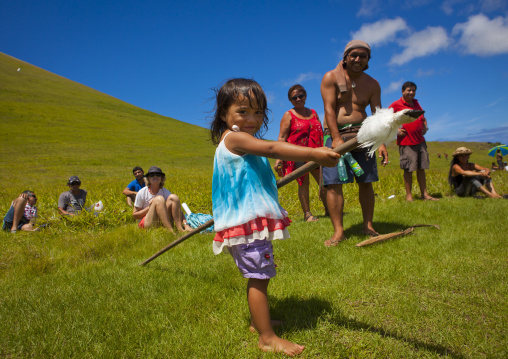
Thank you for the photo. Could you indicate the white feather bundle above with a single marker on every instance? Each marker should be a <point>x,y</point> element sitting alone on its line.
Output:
<point>381,128</point>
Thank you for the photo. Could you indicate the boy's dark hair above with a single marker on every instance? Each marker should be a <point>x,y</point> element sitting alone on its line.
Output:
<point>29,193</point>
<point>137,168</point>
<point>226,95</point>
<point>296,87</point>
<point>407,84</point>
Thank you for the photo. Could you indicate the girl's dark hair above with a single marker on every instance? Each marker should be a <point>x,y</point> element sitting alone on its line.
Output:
<point>296,87</point>
<point>226,95</point>
<point>454,161</point>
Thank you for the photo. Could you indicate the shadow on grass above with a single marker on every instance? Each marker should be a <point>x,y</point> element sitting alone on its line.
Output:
<point>356,325</point>
<point>304,314</point>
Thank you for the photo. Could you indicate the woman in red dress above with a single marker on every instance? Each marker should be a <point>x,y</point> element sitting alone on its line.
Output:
<point>301,126</point>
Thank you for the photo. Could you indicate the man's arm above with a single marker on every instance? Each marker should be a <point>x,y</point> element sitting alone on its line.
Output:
<point>128,192</point>
<point>329,95</point>
<point>62,204</point>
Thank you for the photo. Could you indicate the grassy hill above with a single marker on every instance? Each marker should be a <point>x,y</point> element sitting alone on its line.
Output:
<point>66,128</point>
<point>75,289</point>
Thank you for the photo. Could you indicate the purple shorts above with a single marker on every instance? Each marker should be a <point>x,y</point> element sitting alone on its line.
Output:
<point>254,260</point>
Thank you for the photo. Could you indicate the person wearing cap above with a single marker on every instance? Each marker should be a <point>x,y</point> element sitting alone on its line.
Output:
<point>412,146</point>
<point>72,201</point>
<point>133,188</point>
<point>347,91</point>
<point>466,178</point>
<point>155,205</point>
<point>22,213</point>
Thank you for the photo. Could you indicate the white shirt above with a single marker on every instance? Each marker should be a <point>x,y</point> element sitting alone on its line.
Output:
<point>144,196</point>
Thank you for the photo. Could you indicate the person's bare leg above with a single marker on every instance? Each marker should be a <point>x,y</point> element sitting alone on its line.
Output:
<point>130,200</point>
<point>19,209</point>
<point>175,212</point>
<point>257,297</point>
<point>488,193</point>
<point>408,184</point>
<point>335,200</point>
<point>367,201</point>
<point>422,182</point>
<point>317,174</point>
<point>29,228</point>
<point>490,187</point>
<point>158,212</point>
<point>303,196</point>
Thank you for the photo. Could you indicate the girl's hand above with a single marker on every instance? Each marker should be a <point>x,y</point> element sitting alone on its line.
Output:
<point>326,157</point>
<point>278,168</point>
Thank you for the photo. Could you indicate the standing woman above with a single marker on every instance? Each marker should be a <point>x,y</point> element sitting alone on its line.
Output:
<point>301,126</point>
<point>467,178</point>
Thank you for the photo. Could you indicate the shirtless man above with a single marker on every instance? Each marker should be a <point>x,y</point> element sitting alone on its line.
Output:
<point>346,92</point>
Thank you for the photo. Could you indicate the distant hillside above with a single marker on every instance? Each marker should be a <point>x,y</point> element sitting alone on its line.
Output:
<point>53,127</point>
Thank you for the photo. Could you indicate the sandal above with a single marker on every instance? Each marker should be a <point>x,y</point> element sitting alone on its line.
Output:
<point>333,242</point>
<point>309,217</point>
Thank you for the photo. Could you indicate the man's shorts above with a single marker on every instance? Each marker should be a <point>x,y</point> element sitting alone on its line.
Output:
<point>254,260</point>
<point>366,162</point>
<point>414,157</point>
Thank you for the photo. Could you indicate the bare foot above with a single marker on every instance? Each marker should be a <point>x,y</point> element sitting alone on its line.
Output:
<point>333,242</point>
<point>278,345</point>
<point>370,232</point>
<point>409,198</point>
<point>273,322</point>
<point>429,198</point>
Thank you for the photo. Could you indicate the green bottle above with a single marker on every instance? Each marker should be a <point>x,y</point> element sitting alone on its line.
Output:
<point>353,164</point>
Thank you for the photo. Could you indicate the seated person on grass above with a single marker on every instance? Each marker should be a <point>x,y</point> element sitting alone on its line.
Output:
<point>466,178</point>
<point>22,213</point>
<point>72,201</point>
<point>133,188</point>
<point>155,205</point>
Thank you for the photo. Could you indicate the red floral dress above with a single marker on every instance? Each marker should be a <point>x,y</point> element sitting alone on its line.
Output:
<point>303,132</point>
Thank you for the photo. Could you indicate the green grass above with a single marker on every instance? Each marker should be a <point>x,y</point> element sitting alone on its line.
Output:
<point>76,290</point>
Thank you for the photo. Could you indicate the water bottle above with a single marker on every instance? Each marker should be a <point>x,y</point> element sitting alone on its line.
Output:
<point>354,165</point>
<point>342,170</point>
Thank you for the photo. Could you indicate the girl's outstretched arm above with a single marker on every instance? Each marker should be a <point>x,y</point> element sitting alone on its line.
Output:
<point>242,143</point>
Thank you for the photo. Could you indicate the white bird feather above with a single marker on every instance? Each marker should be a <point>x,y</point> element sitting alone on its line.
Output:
<point>381,128</point>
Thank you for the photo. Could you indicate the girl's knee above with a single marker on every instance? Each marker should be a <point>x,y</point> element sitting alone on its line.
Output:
<point>173,198</point>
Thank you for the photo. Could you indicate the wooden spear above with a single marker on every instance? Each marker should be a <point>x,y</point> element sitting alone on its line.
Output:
<point>395,121</point>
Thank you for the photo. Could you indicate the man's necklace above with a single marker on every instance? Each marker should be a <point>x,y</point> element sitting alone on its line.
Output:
<point>353,85</point>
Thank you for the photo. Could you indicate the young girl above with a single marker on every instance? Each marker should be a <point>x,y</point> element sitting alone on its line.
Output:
<point>246,208</point>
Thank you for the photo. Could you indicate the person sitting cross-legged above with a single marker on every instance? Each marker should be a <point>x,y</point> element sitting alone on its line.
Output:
<point>155,205</point>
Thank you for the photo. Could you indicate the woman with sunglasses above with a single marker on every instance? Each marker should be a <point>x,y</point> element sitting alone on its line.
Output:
<point>301,126</point>
<point>155,205</point>
<point>22,213</point>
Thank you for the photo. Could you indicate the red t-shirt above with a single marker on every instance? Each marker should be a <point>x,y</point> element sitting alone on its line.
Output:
<point>413,129</point>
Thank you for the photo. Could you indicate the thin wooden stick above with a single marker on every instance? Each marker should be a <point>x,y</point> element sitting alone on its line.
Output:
<point>309,166</point>
<point>341,149</point>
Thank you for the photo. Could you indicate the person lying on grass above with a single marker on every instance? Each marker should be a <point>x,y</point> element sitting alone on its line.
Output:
<point>155,205</point>
<point>467,178</point>
<point>246,208</point>
<point>21,216</point>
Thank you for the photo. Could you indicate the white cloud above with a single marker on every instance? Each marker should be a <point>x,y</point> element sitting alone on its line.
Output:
<point>301,78</point>
<point>381,31</point>
<point>270,97</point>
<point>422,43</point>
<point>369,7</point>
<point>393,87</point>
<point>424,73</point>
<point>482,36</point>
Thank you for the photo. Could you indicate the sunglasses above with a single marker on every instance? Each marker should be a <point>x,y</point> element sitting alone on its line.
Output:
<point>74,183</point>
<point>300,96</point>
<point>34,197</point>
<point>354,56</point>
<point>155,175</point>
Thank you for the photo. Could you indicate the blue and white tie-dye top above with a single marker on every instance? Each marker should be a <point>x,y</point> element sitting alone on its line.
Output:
<point>243,188</point>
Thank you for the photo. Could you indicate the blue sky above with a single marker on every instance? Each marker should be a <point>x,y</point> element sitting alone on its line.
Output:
<point>165,56</point>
